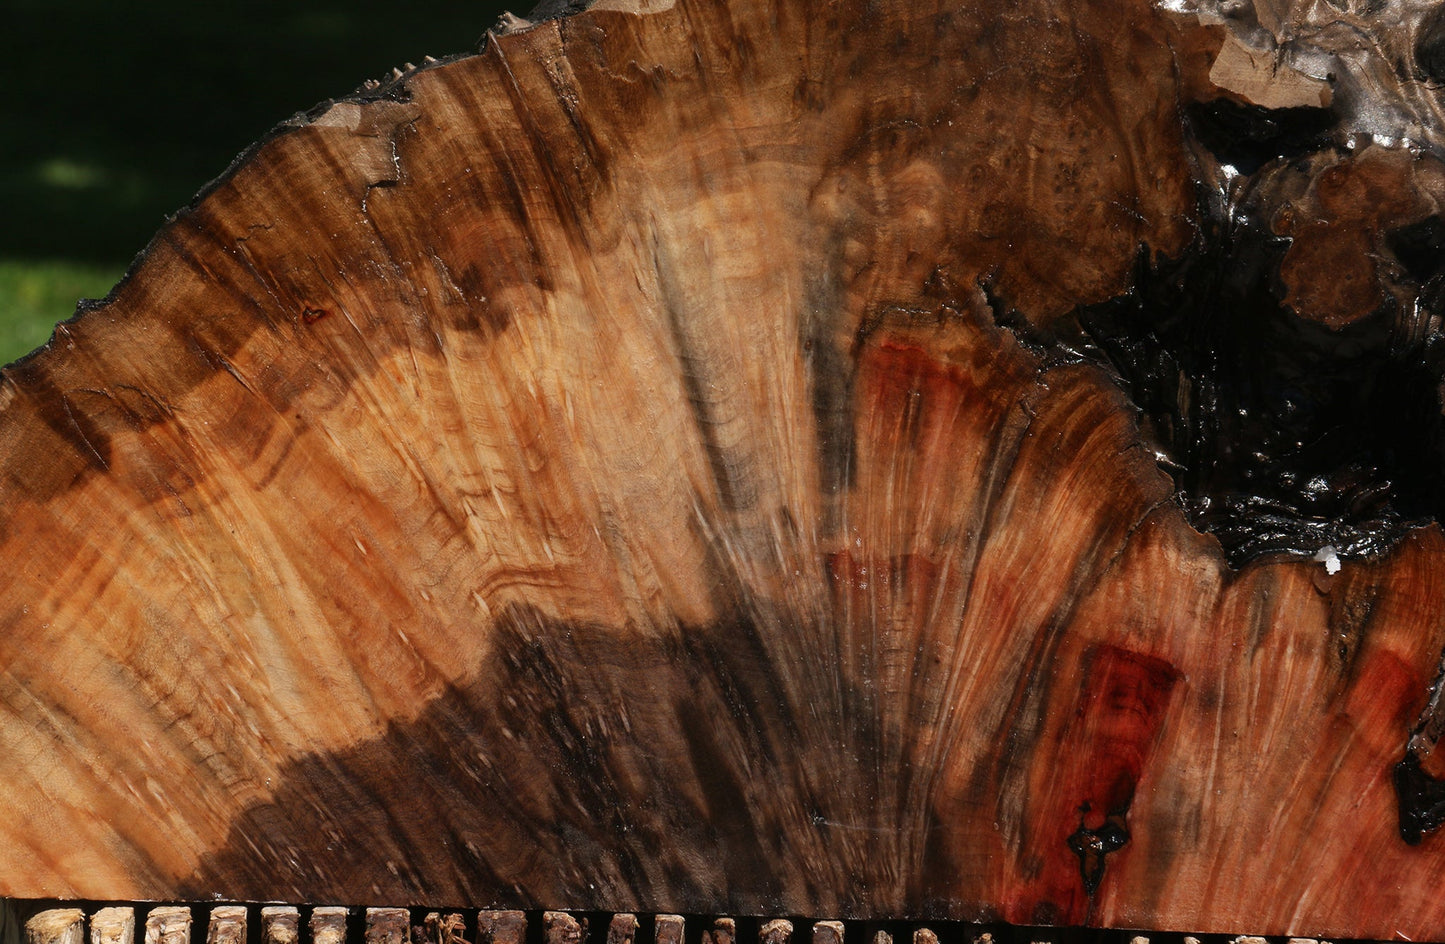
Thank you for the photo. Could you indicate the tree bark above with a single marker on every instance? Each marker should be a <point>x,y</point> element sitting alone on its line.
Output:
<point>859,460</point>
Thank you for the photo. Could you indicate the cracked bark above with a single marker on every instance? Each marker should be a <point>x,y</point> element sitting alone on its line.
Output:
<point>879,460</point>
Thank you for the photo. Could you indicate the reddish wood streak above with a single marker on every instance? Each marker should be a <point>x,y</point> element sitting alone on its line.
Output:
<point>1103,748</point>
<point>1117,721</point>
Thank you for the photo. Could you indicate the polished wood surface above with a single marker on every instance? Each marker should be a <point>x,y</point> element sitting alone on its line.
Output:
<point>670,461</point>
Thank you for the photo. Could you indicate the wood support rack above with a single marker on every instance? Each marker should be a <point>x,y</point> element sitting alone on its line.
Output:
<point>284,924</point>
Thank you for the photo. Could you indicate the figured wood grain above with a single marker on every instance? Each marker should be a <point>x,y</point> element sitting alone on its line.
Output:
<point>875,460</point>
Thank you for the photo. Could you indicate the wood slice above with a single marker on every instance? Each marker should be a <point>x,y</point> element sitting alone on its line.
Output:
<point>780,931</point>
<point>227,925</point>
<point>723,931</point>
<point>328,925</point>
<point>880,460</point>
<point>501,927</point>
<point>622,929</point>
<point>170,924</point>
<point>448,929</point>
<point>114,925</point>
<point>56,926</point>
<point>561,928</point>
<point>280,925</point>
<point>387,926</point>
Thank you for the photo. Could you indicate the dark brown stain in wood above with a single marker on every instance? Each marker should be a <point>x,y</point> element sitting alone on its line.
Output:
<point>686,771</point>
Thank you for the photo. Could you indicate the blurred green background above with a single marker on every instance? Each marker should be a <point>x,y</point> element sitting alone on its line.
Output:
<point>114,115</point>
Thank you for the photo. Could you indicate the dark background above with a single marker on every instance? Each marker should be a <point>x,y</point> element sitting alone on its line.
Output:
<point>114,114</point>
